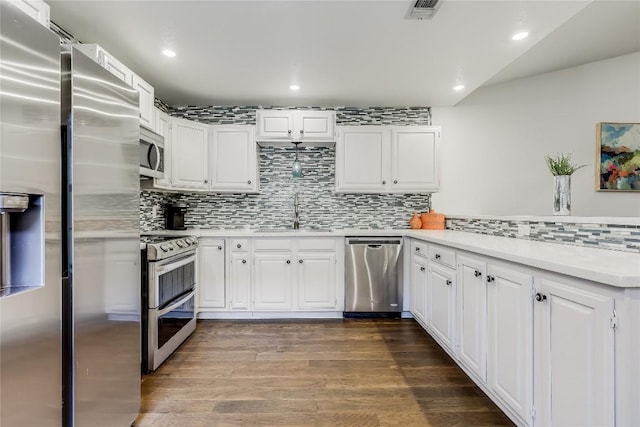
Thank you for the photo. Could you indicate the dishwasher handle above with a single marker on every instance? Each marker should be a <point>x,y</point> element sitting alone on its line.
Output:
<point>376,242</point>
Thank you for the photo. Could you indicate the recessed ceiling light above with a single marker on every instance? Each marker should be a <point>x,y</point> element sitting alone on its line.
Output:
<point>294,87</point>
<point>169,53</point>
<point>519,36</point>
<point>458,87</point>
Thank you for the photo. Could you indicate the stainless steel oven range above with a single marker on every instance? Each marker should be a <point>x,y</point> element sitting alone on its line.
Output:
<point>168,296</point>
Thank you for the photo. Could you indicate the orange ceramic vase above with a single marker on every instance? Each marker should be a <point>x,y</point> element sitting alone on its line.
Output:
<point>415,222</point>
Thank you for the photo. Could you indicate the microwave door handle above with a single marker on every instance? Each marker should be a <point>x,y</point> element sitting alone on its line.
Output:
<point>149,156</point>
<point>157,166</point>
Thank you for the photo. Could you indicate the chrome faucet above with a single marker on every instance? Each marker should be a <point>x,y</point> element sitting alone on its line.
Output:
<point>296,212</point>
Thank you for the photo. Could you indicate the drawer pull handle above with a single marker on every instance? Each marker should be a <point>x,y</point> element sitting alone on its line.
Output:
<point>300,261</point>
<point>477,273</point>
<point>238,246</point>
<point>422,269</point>
<point>490,279</point>
<point>540,297</point>
<point>437,256</point>
<point>449,282</point>
<point>288,261</point>
<point>417,249</point>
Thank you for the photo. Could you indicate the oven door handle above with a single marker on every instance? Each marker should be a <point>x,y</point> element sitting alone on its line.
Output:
<point>172,264</point>
<point>176,305</point>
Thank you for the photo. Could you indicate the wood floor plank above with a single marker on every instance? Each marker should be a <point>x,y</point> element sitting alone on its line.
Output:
<point>316,373</point>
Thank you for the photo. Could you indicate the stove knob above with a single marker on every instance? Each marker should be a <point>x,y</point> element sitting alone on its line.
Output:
<point>180,243</point>
<point>165,248</point>
<point>171,246</point>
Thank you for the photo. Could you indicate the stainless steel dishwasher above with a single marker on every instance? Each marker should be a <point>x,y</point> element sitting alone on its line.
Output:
<point>373,269</point>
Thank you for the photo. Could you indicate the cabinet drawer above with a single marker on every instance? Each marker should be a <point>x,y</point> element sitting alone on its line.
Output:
<point>317,245</point>
<point>239,245</point>
<point>442,256</point>
<point>272,245</point>
<point>419,248</point>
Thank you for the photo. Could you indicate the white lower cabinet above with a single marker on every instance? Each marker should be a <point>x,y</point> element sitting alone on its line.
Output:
<point>419,289</point>
<point>510,337</point>
<point>541,345</point>
<point>441,303</point>
<point>317,281</point>
<point>472,314</point>
<point>239,282</point>
<point>574,355</point>
<point>211,274</point>
<point>272,281</point>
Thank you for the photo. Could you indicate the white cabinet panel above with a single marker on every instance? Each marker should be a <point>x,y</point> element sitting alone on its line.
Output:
<point>233,161</point>
<point>414,159</point>
<point>189,154</point>
<point>272,281</point>
<point>37,9</point>
<point>316,281</point>
<point>115,67</point>
<point>146,99</point>
<point>510,337</point>
<point>240,281</point>
<point>441,303</point>
<point>163,128</point>
<point>362,154</point>
<point>472,308</point>
<point>314,125</point>
<point>211,274</point>
<point>274,124</point>
<point>574,354</point>
<point>419,289</point>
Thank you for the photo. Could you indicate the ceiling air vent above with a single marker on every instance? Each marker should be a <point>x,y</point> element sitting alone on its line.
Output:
<point>423,9</point>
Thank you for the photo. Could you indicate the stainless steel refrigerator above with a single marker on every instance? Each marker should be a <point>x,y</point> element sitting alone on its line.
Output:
<point>70,305</point>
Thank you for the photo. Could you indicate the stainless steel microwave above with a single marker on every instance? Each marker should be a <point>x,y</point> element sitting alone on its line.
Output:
<point>151,153</point>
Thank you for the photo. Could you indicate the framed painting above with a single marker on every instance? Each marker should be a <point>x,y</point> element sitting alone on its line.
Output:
<point>618,157</point>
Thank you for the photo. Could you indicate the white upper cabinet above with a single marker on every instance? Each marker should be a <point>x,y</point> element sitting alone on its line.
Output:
<point>37,9</point>
<point>387,159</point>
<point>147,96</point>
<point>189,149</point>
<point>115,67</point>
<point>362,154</point>
<point>286,126</point>
<point>414,159</point>
<point>234,159</point>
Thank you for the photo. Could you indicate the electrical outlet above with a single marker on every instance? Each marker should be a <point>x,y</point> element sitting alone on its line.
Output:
<point>154,212</point>
<point>524,230</point>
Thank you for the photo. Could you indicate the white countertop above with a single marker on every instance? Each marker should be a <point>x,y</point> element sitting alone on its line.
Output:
<point>615,268</point>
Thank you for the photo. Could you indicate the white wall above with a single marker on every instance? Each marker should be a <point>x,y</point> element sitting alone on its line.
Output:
<point>494,141</point>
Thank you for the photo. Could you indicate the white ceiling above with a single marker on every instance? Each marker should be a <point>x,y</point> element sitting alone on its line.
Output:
<point>350,53</point>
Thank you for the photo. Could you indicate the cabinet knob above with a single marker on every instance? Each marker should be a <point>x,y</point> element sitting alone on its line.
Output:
<point>301,131</point>
<point>477,273</point>
<point>219,248</point>
<point>395,181</point>
<point>417,249</point>
<point>422,269</point>
<point>384,182</point>
<point>300,261</point>
<point>238,246</point>
<point>206,181</point>
<point>437,256</point>
<point>244,261</point>
<point>288,261</point>
<point>289,131</point>
<point>448,282</point>
<point>540,297</point>
<point>249,182</point>
<point>490,279</point>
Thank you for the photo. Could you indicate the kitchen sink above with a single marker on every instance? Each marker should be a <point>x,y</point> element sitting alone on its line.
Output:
<point>291,230</point>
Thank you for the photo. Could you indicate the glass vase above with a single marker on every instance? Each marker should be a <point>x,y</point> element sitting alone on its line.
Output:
<point>562,195</point>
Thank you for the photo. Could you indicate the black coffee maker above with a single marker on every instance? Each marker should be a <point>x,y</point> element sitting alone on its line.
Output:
<point>174,216</point>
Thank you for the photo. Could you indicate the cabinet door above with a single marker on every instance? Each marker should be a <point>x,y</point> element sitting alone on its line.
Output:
<point>115,67</point>
<point>211,283</point>
<point>314,125</point>
<point>272,281</point>
<point>163,128</point>
<point>146,99</point>
<point>414,159</point>
<point>37,9</point>
<point>574,354</point>
<point>510,337</point>
<point>441,303</point>
<point>418,289</point>
<point>471,292</point>
<point>362,154</point>
<point>189,154</point>
<point>317,281</point>
<point>240,282</point>
<point>234,159</point>
<point>274,124</point>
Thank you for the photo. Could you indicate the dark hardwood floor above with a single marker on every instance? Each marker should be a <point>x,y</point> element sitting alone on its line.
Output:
<point>361,373</point>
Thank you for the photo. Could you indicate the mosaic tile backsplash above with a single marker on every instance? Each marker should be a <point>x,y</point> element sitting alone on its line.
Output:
<point>319,205</point>
<point>604,236</point>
